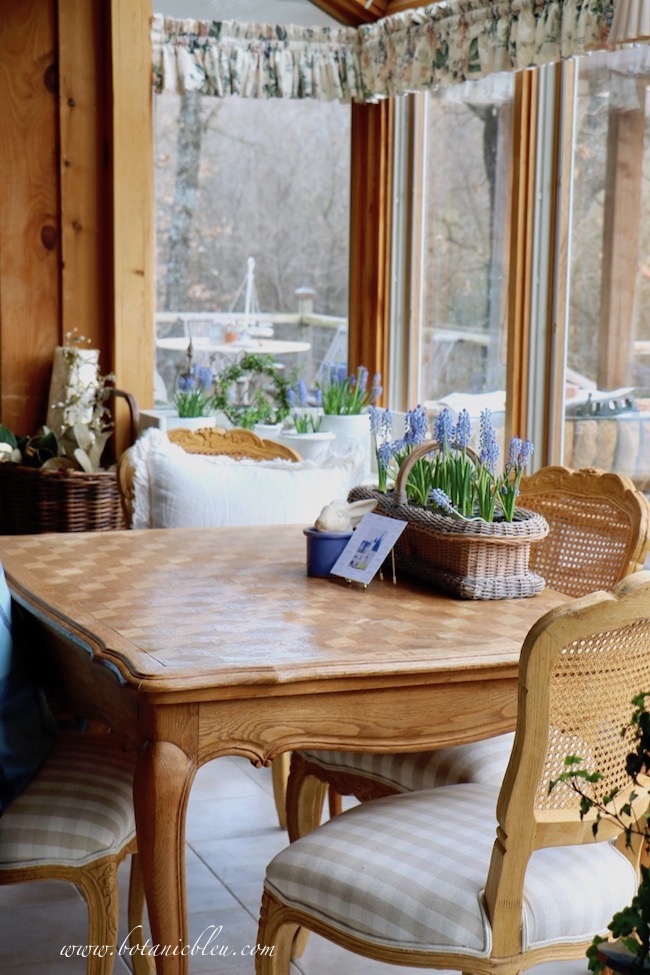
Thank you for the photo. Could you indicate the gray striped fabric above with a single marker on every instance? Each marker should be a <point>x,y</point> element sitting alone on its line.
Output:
<point>79,806</point>
<point>483,762</point>
<point>409,871</point>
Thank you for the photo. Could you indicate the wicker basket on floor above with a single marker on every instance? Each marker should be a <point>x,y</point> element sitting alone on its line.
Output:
<point>33,500</point>
<point>470,559</point>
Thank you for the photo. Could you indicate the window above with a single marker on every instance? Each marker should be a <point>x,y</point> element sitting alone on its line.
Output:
<point>607,364</point>
<point>466,208</point>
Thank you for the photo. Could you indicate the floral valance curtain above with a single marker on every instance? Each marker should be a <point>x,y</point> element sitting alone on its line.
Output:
<point>444,43</point>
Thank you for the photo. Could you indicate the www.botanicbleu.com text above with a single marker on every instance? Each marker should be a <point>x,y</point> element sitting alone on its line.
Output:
<point>207,944</point>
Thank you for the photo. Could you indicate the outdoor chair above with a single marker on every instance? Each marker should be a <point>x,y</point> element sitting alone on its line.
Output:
<point>599,532</point>
<point>477,878</point>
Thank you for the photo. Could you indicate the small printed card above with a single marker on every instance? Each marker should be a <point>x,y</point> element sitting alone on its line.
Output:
<point>365,553</point>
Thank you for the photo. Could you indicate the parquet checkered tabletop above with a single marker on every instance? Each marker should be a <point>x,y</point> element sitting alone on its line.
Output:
<point>199,643</point>
<point>237,602</point>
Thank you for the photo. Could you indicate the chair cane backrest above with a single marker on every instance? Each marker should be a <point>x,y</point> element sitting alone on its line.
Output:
<point>580,667</point>
<point>212,441</point>
<point>599,528</point>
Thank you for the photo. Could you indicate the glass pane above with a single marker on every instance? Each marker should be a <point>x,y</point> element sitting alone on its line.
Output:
<point>467,209</point>
<point>607,405</point>
<point>252,223</point>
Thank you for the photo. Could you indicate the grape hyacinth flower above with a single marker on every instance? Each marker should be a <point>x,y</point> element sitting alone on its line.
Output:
<point>444,430</point>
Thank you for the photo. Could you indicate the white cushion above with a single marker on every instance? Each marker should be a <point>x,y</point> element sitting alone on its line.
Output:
<point>76,809</point>
<point>174,489</point>
<point>409,871</point>
<point>483,762</point>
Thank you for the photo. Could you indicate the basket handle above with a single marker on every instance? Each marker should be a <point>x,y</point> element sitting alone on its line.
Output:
<point>405,469</point>
<point>134,412</point>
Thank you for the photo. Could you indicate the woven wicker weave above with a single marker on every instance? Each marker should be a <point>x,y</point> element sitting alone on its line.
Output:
<point>33,500</point>
<point>470,559</point>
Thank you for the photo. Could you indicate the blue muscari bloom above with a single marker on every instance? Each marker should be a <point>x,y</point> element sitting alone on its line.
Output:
<point>514,451</point>
<point>417,427</point>
<point>444,429</point>
<point>363,378</point>
<point>440,499</point>
<point>352,381</point>
<point>488,447</point>
<point>301,389</point>
<point>525,452</point>
<point>203,377</point>
<point>376,389</point>
<point>318,396</point>
<point>386,424</point>
<point>463,430</point>
<point>185,382</point>
<point>340,373</point>
<point>384,455</point>
<point>375,420</point>
<point>291,397</point>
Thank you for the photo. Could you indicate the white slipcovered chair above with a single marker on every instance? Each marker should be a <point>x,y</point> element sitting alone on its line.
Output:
<point>477,878</point>
<point>599,532</point>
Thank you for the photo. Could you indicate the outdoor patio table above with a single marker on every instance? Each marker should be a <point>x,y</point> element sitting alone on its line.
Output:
<point>199,643</point>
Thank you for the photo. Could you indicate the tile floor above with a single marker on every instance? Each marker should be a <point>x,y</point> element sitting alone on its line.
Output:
<point>232,832</point>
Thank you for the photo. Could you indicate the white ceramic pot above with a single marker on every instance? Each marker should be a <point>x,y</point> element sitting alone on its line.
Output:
<point>268,431</point>
<point>170,420</point>
<point>348,430</point>
<point>310,446</point>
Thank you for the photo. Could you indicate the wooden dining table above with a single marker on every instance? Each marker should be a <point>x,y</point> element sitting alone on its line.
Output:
<point>197,643</point>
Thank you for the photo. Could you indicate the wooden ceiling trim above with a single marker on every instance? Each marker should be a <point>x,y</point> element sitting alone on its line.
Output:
<point>354,12</point>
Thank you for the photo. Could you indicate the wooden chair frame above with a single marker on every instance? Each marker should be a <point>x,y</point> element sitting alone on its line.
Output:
<point>526,822</point>
<point>624,510</point>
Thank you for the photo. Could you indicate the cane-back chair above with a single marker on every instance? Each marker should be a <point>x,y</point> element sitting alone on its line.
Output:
<point>599,532</point>
<point>482,879</point>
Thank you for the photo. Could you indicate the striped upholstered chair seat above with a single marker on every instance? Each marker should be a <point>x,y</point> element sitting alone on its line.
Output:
<point>75,822</point>
<point>599,532</point>
<point>477,878</point>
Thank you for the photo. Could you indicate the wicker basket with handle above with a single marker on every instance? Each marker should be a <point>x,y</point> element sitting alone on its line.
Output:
<point>471,559</point>
<point>33,500</point>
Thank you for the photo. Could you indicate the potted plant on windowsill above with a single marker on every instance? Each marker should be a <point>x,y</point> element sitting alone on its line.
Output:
<point>192,400</point>
<point>346,398</point>
<point>305,434</point>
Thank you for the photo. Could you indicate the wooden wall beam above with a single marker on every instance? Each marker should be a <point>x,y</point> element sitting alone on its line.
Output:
<point>370,224</point>
<point>133,208</point>
<point>30,298</point>
<point>84,175</point>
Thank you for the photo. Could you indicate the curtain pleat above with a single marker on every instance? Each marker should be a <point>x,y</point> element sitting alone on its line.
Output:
<point>445,43</point>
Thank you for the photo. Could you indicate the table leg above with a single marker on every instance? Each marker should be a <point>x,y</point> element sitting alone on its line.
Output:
<point>163,779</point>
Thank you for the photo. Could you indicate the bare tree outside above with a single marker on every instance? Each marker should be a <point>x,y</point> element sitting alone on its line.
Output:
<point>238,178</point>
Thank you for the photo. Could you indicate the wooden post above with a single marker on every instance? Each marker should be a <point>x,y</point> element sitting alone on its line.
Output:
<point>370,192</point>
<point>621,240</point>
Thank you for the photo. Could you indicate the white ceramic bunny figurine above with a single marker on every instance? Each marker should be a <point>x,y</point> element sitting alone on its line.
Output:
<point>343,516</point>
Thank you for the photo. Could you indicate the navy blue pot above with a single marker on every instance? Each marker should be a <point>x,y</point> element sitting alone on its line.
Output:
<point>323,549</point>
